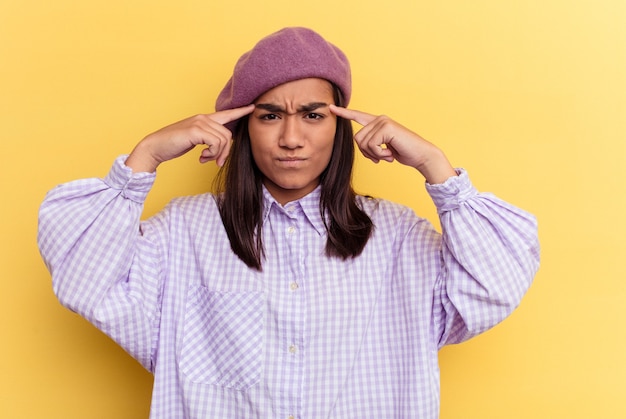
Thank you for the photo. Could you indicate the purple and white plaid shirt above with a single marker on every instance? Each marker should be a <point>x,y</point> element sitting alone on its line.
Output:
<point>310,336</point>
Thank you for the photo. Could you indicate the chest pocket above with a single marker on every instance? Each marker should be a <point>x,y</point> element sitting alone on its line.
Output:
<point>223,338</point>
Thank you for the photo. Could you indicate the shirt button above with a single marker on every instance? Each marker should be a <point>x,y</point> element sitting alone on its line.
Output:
<point>293,286</point>
<point>291,229</point>
<point>291,417</point>
<point>293,349</point>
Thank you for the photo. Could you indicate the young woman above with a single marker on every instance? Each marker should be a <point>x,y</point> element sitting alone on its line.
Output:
<point>286,294</point>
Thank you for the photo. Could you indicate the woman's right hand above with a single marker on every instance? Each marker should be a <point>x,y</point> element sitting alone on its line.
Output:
<point>179,138</point>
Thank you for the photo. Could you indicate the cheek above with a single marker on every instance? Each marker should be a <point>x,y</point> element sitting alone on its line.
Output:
<point>328,140</point>
<point>259,143</point>
<point>260,155</point>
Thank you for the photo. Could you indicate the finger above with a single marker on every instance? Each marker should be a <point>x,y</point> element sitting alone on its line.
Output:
<point>229,115</point>
<point>208,155</point>
<point>359,117</point>
<point>221,158</point>
<point>378,153</point>
<point>216,138</point>
<point>366,150</point>
<point>362,139</point>
<point>372,141</point>
<point>210,152</point>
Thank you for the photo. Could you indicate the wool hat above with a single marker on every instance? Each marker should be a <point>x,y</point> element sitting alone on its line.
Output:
<point>290,54</point>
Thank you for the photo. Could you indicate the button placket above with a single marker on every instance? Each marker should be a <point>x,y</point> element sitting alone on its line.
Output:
<point>293,231</point>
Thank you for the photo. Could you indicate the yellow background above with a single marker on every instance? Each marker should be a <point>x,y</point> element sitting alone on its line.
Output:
<point>528,95</point>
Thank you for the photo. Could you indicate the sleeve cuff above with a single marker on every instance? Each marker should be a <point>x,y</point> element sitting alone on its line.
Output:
<point>134,186</point>
<point>453,192</point>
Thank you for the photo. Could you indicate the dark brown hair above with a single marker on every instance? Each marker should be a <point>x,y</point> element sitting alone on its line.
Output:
<point>240,197</point>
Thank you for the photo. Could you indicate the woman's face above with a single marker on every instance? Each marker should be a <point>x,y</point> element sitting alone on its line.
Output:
<point>291,136</point>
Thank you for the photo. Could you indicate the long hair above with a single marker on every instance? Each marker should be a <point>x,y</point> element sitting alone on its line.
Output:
<point>240,197</point>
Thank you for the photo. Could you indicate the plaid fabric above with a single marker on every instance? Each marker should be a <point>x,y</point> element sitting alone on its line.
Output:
<point>309,336</point>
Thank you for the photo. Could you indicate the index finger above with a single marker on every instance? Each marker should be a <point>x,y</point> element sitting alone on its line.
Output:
<point>359,117</point>
<point>229,115</point>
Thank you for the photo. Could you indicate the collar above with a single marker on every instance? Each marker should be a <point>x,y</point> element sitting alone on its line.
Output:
<point>308,204</point>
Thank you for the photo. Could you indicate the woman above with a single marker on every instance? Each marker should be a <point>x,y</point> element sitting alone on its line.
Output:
<point>286,294</point>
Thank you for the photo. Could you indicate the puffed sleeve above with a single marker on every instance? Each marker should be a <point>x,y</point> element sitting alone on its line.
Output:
<point>102,266</point>
<point>489,257</point>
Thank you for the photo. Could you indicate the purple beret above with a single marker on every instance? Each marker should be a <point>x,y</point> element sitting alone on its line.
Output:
<point>287,55</point>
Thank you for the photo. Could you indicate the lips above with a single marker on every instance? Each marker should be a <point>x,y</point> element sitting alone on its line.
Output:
<point>291,161</point>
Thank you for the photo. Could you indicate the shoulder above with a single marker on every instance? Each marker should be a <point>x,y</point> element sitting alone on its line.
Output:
<point>388,215</point>
<point>193,208</point>
<point>378,207</point>
<point>192,201</point>
<point>397,226</point>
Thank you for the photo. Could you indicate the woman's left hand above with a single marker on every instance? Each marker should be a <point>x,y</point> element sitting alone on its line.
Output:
<point>381,138</point>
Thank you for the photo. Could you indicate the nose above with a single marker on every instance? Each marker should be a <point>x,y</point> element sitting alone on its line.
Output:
<point>291,135</point>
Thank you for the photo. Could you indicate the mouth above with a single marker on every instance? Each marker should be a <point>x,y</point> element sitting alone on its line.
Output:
<point>291,161</point>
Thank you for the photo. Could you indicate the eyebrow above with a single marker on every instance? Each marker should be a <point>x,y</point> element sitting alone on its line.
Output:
<point>271,107</point>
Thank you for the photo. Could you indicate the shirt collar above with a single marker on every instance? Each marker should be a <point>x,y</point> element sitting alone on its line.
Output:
<point>308,204</point>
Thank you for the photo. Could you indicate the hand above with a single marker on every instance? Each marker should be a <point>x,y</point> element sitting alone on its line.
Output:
<point>179,138</point>
<point>381,138</point>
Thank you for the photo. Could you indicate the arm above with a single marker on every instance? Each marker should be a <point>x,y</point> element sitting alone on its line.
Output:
<point>103,264</point>
<point>88,237</point>
<point>490,249</point>
<point>490,254</point>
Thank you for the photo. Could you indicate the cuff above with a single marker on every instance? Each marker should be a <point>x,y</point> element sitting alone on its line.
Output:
<point>134,186</point>
<point>454,191</point>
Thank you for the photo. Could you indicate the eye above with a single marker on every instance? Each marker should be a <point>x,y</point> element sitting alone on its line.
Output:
<point>313,115</point>
<point>268,116</point>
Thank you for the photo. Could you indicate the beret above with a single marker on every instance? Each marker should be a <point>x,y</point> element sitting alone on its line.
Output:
<point>290,54</point>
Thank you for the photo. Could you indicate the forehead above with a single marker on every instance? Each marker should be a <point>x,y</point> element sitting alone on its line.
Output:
<point>298,92</point>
